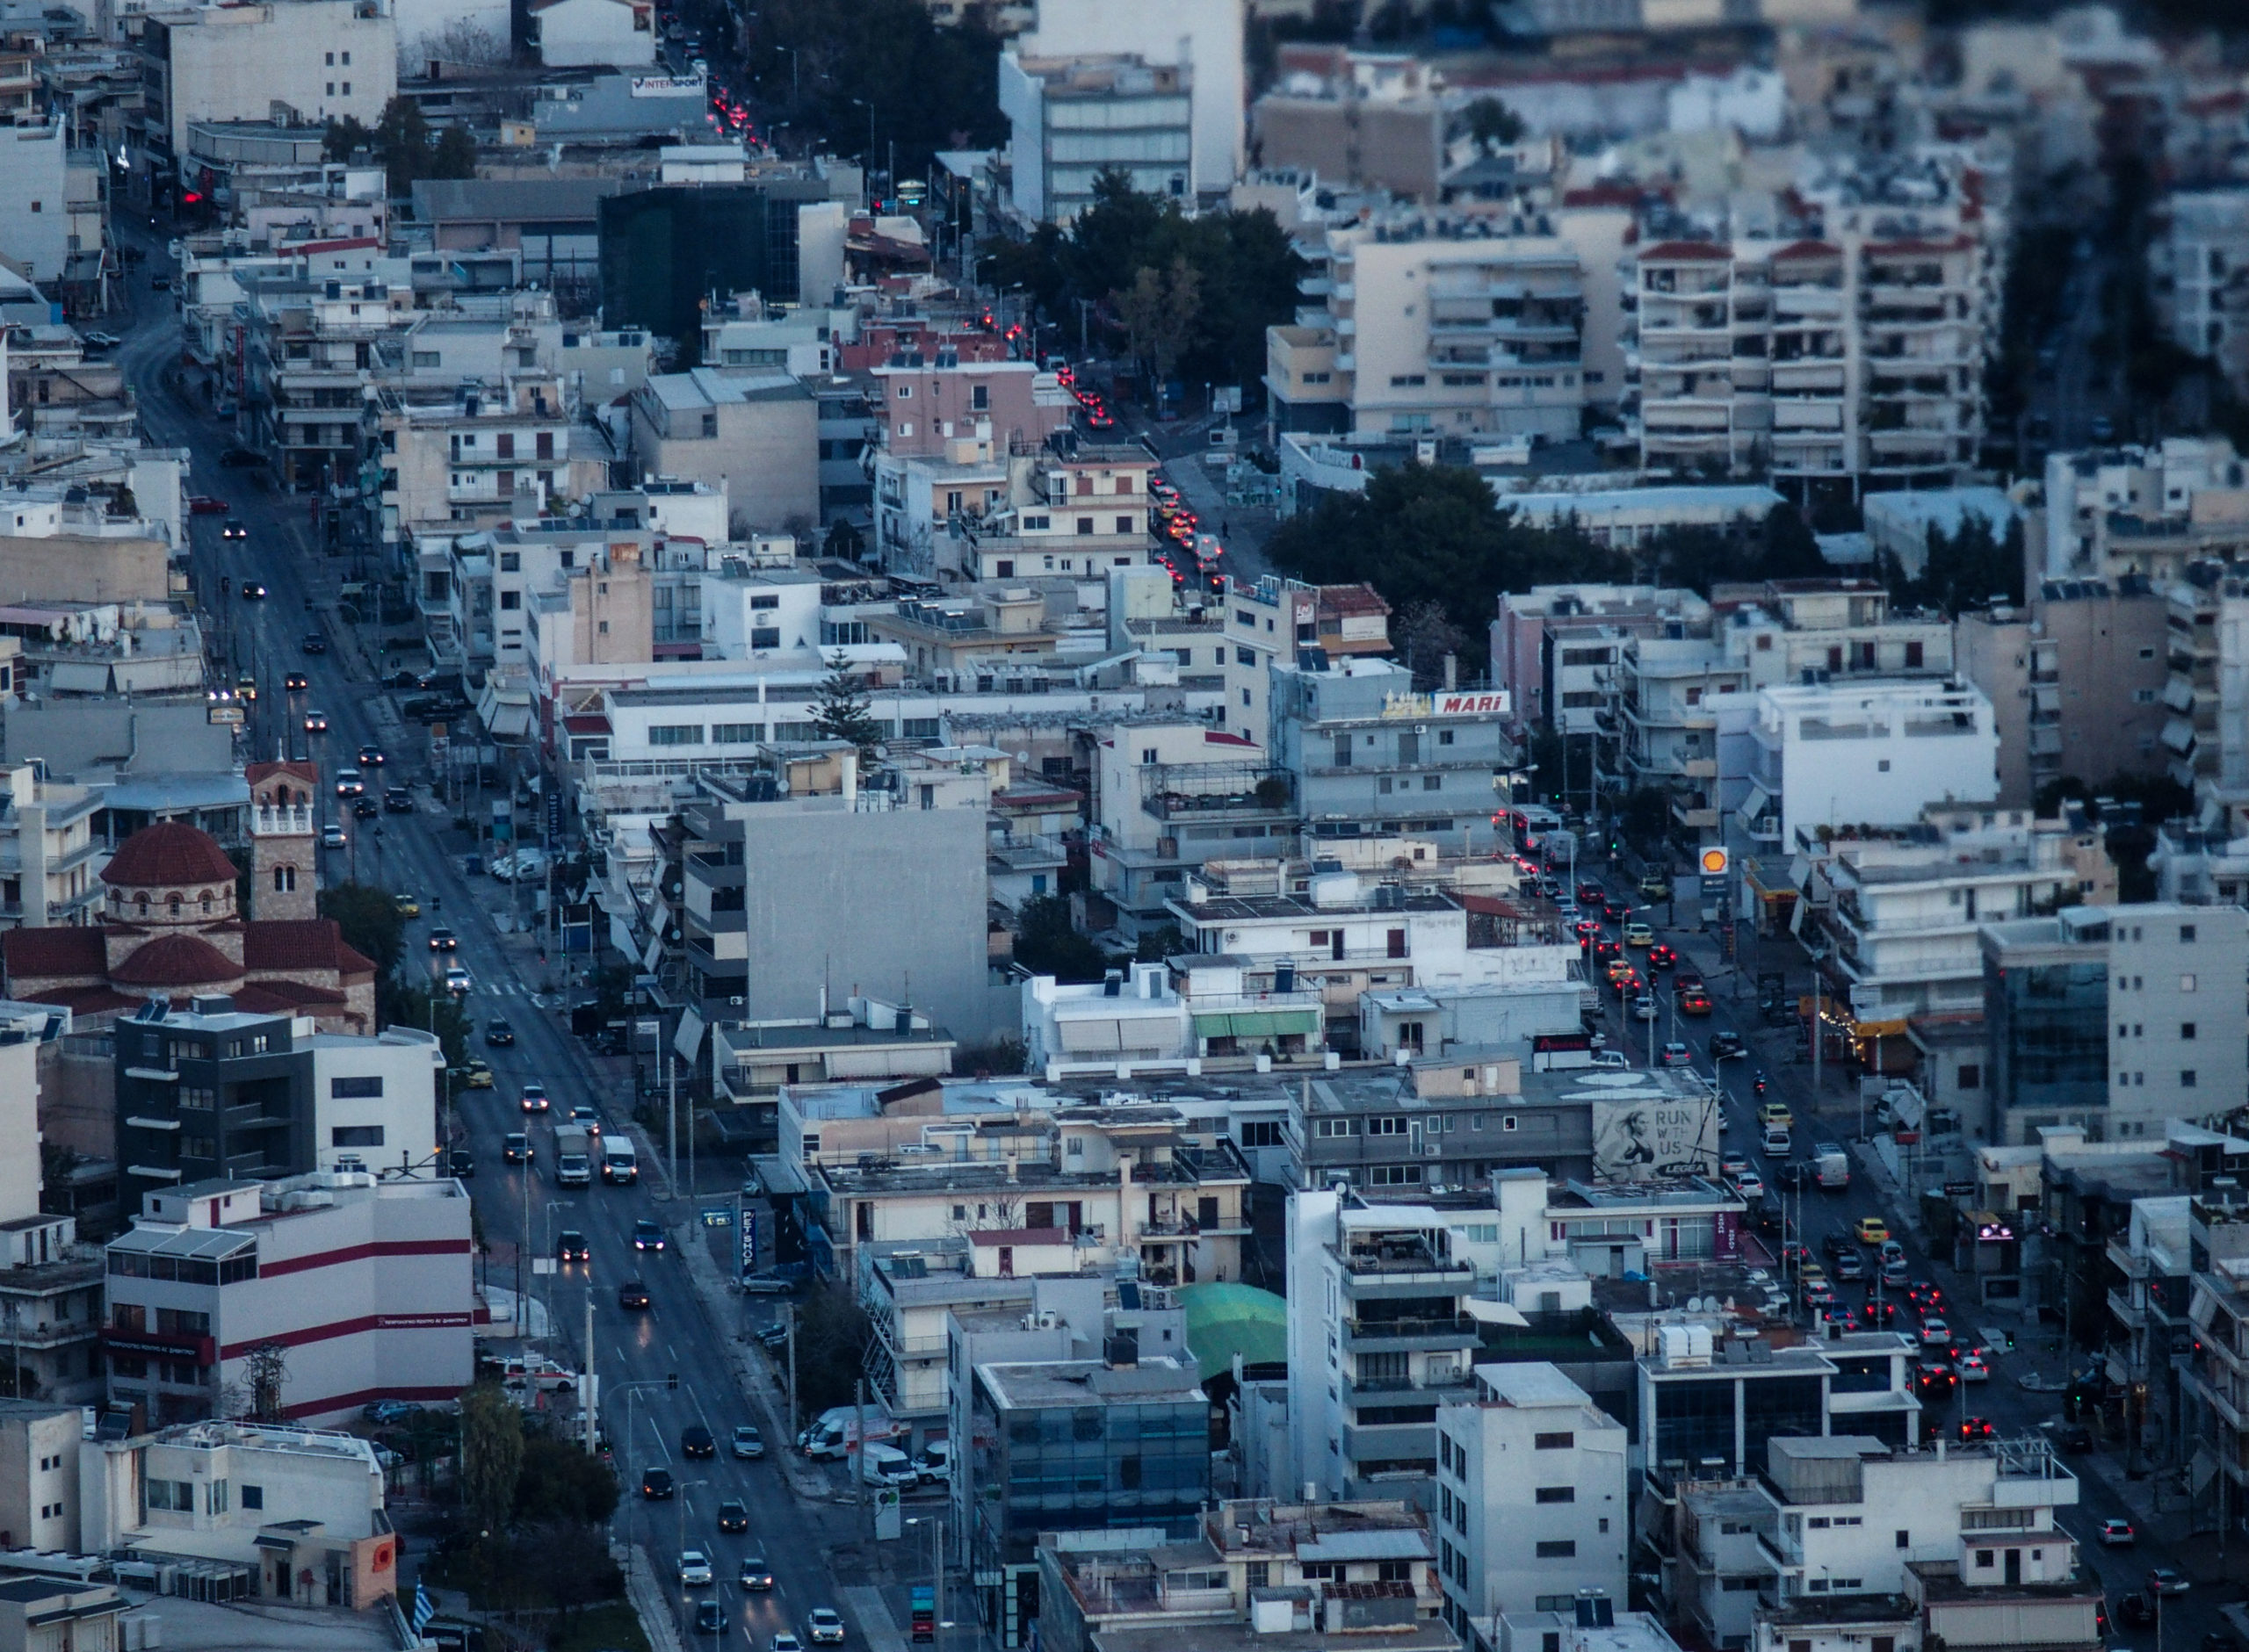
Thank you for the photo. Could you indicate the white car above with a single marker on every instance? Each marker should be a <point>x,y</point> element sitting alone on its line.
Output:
<point>1749,1185</point>
<point>1972,1368</point>
<point>2118,1534</point>
<point>331,836</point>
<point>825,1626</point>
<point>694,1568</point>
<point>1734,1165</point>
<point>1934,1333</point>
<point>349,783</point>
<point>457,981</point>
<point>784,1642</point>
<point>1677,1055</point>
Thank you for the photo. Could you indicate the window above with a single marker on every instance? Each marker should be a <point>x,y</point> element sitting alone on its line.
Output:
<point>511,600</point>
<point>1261,1133</point>
<point>355,1089</point>
<point>1566,1549</point>
<point>1971,1076</point>
<point>1085,525</point>
<point>356,1135</point>
<point>176,1495</point>
<point>1904,1539</point>
<point>737,733</point>
<point>676,734</point>
<point>2185,934</point>
<point>1123,525</point>
<point>1553,1442</point>
<point>2186,1078</point>
<point>511,562</point>
<point>1985,1559</point>
<point>253,1496</point>
<point>1558,1494</point>
<point>2186,1030</point>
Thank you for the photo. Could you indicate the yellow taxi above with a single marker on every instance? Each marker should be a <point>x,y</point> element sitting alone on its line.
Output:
<point>1776,1116</point>
<point>407,905</point>
<point>1638,935</point>
<point>1873,1230</point>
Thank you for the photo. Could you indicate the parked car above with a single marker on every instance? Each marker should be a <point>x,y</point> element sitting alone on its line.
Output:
<point>747,1442</point>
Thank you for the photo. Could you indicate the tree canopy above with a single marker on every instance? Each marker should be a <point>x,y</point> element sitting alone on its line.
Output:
<point>1188,295</point>
<point>402,141</point>
<point>843,711</point>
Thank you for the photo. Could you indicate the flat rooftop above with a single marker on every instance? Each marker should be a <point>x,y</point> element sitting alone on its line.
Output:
<point>1047,1383</point>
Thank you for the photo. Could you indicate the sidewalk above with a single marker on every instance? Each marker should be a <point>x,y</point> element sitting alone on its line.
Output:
<point>650,1603</point>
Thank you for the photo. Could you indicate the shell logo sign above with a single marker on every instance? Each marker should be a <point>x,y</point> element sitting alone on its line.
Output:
<point>1714,862</point>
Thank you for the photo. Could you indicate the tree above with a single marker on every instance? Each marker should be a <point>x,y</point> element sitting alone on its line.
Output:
<point>1966,569</point>
<point>265,1372</point>
<point>844,710</point>
<point>1493,125</point>
<point>491,1455</point>
<point>455,156</point>
<point>1158,315</point>
<point>832,1331</point>
<point>1048,944</point>
<point>1424,635</point>
<point>569,1562</point>
<point>402,140</point>
<point>346,139</point>
<point>369,918</point>
<point>431,1008</point>
<point>1780,547</point>
<point>559,1481</point>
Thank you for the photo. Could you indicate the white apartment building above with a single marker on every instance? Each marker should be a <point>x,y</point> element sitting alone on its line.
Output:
<point>2206,737</point>
<point>368,1284</point>
<point>38,223</point>
<point>1875,753</point>
<point>594,33</point>
<point>1071,119</point>
<point>1855,1514</point>
<point>1443,326</point>
<point>1532,1502</point>
<point>475,454</point>
<point>2115,511</point>
<point>1904,908</point>
<point>1203,39</point>
<point>38,1475</point>
<point>1112,1026</point>
<point>376,1101</point>
<point>2197,256</point>
<point>301,1510</point>
<point>1852,356</point>
<point>326,60</point>
<point>48,857</point>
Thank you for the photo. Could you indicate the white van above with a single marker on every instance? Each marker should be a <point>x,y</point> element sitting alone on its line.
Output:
<point>887,1466</point>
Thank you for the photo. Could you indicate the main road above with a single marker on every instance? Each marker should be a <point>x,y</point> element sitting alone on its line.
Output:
<point>663,1368</point>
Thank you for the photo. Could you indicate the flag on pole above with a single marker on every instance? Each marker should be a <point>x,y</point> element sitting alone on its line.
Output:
<point>424,1610</point>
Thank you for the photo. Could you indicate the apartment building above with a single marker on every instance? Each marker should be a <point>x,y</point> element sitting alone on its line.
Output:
<point>367,1283</point>
<point>753,437</point>
<point>1873,753</point>
<point>474,455</point>
<point>1374,757</point>
<point>1556,648</point>
<point>2205,738</point>
<point>1326,1575</point>
<point>2214,1381</point>
<point>1836,360</point>
<point>1660,707</point>
<point>2197,253</point>
<point>1533,1504</point>
<point>2113,1018</point>
<point>1202,38</point>
<point>1170,793</point>
<point>48,851</point>
<point>311,351</point>
<point>829,849</point>
<point>921,403</point>
<point>328,60</point>
<point>1436,325</point>
<point>1071,119</point>
<point>2151,511</point>
<point>1070,510</point>
<point>1905,909</point>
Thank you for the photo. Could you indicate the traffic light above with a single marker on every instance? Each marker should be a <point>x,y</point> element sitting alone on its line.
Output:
<point>671,1379</point>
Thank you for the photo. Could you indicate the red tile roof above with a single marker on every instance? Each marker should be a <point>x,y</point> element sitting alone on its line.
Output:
<point>301,943</point>
<point>278,998</point>
<point>88,1000</point>
<point>35,954</point>
<point>177,961</point>
<point>1673,251</point>
<point>310,773</point>
<point>167,854</point>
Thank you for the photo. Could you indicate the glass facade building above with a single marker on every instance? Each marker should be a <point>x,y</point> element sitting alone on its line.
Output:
<point>2049,1025</point>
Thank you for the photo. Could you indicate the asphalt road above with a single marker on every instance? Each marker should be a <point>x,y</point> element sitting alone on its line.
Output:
<point>1814,1215</point>
<point>636,1354</point>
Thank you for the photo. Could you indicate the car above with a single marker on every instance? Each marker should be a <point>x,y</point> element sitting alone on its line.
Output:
<point>365,808</point>
<point>2078,1438</point>
<point>1974,1367</point>
<point>350,782</point>
<point>1849,1266</point>
<point>1893,1273</point>
<point>385,1412</point>
<point>757,1576</point>
<point>570,1245</point>
<point>784,1641</point>
<point>710,1617</point>
<point>632,1293</point>
<point>1775,1115</point>
<point>1975,1428</point>
<point>647,1235</point>
<point>1876,1314</point>
<point>314,643</point>
<point>734,1515</point>
<point>695,1441</point>
<point>1695,1003</point>
<point>1796,1174</point>
<point>1836,1314</point>
<point>534,1099</point>
<point>233,529</point>
<point>2137,1607</point>
<point>296,682</point>
<point>1676,1055</point>
<point>1934,1376</point>
<point>516,1148</point>
<point>825,1626</point>
<point>747,1442</point>
<point>586,1119</point>
<point>1728,1047</point>
<point>1638,935</point>
<point>1749,1185</point>
<point>457,981</point>
<point>317,723</point>
<point>497,1033</point>
<point>1935,1333</point>
<point>462,1163</point>
<point>776,1281</point>
<point>371,756</point>
<point>443,939</point>
<point>1818,1293</point>
<point>2167,1580</point>
<point>1924,1294</point>
<point>773,1338</point>
<point>253,591</point>
<point>331,835</point>
<point>1653,885</point>
<point>2118,1534</point>
<point>1732,1166</point>
<point>397,800</point>
<point>1590,893</point>
<point>98,340</point>
<point>1644,1006</point>
<point>475,1073</point>
<point>1805,1267</point>
<point>1614,910</point>
<point>205,505</point>
<point>409,905</point>
<point>1619,969</point>
<point>1873,1230</point>
<point>1663,955</point>
<point>237,458</point>
<point>657,1483</point>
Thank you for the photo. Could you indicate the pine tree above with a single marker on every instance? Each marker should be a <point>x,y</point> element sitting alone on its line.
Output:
<point>843,711</point>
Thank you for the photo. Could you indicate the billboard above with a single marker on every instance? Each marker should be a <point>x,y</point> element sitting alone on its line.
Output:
<point>1645,1134</point>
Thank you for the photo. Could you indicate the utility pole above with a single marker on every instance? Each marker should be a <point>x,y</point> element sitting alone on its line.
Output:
<point>789,1312</point>
<point>859,1441</point>
<point>671,1082</point>
<point>588,1398</point>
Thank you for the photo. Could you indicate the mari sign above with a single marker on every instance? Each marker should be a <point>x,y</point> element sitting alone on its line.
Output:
<point>1654,1138</point>
<point>1484,703</point>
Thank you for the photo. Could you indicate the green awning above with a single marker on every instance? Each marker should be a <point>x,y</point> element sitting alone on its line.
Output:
<point>1223,1319</point>
<point>1269,1023</point>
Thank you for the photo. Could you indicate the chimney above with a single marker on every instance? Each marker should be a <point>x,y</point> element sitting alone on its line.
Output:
<point>1012,1167</point>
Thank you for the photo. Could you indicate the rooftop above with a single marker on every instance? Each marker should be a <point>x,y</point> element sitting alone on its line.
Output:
<point>1047,1383</point>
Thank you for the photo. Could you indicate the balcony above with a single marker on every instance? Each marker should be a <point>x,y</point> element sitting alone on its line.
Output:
<point>1437,1383</point>
<point>2121,1310</point>
<point>1371,1269</point>
<point>1432,1333</point>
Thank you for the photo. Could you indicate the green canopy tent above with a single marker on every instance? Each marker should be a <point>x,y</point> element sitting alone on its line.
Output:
<point>1226,1319</point>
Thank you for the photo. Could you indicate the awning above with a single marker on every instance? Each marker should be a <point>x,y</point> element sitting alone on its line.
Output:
<point>281,1545</point>
<point>2178,734</point>
<point>1265,1023</point>
<point>1225,1319</point>
<point>79,676</point>
<point>1091,1034</point>
<point>158,673</point>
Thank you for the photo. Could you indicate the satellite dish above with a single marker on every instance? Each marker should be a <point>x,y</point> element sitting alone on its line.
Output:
<point>1022,757</point>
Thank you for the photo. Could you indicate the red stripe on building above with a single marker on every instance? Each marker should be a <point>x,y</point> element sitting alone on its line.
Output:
<point>334,1329</point>
<point>361,1252</point>
<point>367,1396</point>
